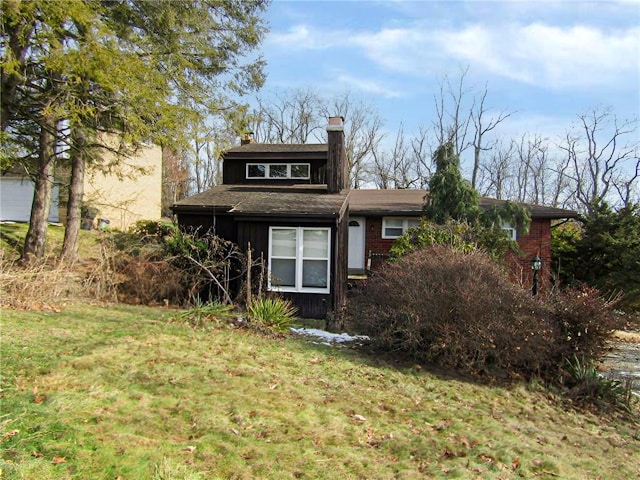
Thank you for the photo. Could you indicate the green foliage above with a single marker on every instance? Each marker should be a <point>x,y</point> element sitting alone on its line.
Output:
<point>458,235</point>
<point>450,196</point>
<point>587,385</point>
<point>452,199</point>
<point>272,314</point>
<point>202,314</point>
<point>607,254</point>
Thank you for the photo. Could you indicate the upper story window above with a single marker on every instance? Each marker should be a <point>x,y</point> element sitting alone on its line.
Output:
<point>394,227</point>
<point>278,171</point>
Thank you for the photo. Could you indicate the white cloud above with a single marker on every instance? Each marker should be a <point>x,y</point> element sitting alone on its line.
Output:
<point>303,37</point>
<point>544,55</point>
<point>539,54</point>
<point>366,85</point>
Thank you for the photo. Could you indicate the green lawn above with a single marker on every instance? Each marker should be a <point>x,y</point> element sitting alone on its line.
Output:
<point>118,392</point>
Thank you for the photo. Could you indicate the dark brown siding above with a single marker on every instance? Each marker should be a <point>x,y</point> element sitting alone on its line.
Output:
<point>246,230</point>
<point>234,172</point>
<point>340,264</point>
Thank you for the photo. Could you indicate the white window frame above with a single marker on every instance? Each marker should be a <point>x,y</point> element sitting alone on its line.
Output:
<point>405,225</point>
<point>299,258</point>
<point>267,171</point>
<point>512,233</point>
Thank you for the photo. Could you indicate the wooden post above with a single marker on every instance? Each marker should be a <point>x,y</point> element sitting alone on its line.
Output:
<point>249,264</point>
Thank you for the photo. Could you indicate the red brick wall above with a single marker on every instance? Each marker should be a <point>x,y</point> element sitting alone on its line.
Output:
<point>373,241</point>
<point>537,241</point>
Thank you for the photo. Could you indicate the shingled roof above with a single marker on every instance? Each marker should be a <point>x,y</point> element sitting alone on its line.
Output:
<point>279,148</point>
<point>313,200</point>
<point>262,200</point>
<point>409,203</point>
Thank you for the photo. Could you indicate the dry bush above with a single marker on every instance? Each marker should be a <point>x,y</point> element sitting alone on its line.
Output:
<point>147,281</point>
<point>41,283</point>
<point>586,320</point>
<point>457,310</point>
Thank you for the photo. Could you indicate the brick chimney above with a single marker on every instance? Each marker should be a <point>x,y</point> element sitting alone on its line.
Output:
<point>337,175</point>
<point>246,138</point>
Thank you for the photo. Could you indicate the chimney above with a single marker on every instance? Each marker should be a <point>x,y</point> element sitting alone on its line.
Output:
<point>337,176</point>
<point>246,138</point>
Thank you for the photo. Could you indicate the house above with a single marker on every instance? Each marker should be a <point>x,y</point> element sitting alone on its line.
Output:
<point>292,205</point>
<point>123,196</point>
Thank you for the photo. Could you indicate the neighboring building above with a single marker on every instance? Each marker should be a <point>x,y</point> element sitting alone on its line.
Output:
<point>292,205</point>
<point>123,195</point>
<point>129,193</point>
<point>16,197</point>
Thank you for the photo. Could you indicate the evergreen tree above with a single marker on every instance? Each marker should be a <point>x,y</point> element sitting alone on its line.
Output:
<point>450,197</point>
<point>607,253</point>
<point>138,69</point>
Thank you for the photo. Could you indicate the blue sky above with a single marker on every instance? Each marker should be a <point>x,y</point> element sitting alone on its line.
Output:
<point>544,61</point>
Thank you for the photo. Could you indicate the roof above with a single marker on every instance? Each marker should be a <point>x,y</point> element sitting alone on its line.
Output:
<point>313,200</point>
<point>410,202</point>
<point>267,200</point>
<point>268,152</point>
<point>286,148</point>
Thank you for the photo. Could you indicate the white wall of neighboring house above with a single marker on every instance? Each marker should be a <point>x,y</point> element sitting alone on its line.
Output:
<point>16,197</point>
<point>131,192</point>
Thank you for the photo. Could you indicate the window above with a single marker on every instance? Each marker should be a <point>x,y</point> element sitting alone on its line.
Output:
<point>394,227</point>
<point>511,232</point>
<point>278,170</point>
<point>299,259</point>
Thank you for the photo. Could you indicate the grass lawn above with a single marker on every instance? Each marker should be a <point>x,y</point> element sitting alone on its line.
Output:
<point>122,392</point>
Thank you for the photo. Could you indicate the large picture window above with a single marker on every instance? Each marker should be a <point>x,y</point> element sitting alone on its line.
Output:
<point>394,227</point>
<point>277,171</point>
<point>299,259</point>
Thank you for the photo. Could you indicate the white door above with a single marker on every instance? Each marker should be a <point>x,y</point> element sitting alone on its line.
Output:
<point>356,244</point>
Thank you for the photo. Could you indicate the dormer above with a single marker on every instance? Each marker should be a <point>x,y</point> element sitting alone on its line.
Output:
<point>289,164</point>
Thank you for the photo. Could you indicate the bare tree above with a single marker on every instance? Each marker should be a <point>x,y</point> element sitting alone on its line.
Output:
<point>462,118</point>
<point>604,159</point>
<point>482,126</point>
<point>453,117</point>
<point>288,117</point>
<point>496,175</point>
<point>363,127</point>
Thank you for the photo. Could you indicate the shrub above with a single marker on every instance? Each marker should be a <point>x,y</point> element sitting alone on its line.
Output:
<point>457,310</point>
<point>459,235</point>
<point>271,313</point>
<point>587,386</point>
<point>202,314</point>
<point>586,322</point>
<point>156,261</point>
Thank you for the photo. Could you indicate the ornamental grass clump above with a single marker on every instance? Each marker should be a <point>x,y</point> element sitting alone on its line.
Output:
<point>271,314</point>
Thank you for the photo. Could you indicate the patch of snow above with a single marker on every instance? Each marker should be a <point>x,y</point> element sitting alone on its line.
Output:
<point>328,338</point>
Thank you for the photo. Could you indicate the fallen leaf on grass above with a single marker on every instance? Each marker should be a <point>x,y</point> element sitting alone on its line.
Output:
<point>58,460</point>
<point>12,433</point>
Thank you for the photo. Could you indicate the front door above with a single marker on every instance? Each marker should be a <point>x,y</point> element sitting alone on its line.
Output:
<point>356,245</point>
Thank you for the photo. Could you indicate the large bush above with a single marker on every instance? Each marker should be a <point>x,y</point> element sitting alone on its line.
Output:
<point>456,309</point>
<point>157,262</point>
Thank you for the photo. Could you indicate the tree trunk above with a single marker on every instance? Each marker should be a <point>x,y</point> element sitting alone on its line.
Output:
<point>69,252</point>
<point>35,241</point>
